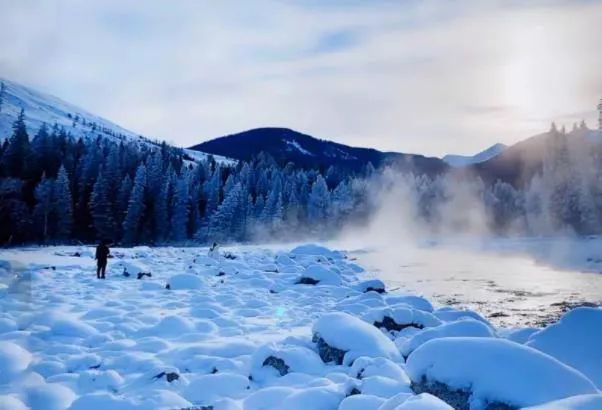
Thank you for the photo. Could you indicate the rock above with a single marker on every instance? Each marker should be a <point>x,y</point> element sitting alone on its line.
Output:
<point>328,353</point>
<point>307,281</point>
<point>390,324</point>
<point>277,364</point>
<point>170,376</point>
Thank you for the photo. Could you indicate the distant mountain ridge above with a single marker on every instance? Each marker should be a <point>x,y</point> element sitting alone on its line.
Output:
<point>466,160</point>
<point>286,145</point>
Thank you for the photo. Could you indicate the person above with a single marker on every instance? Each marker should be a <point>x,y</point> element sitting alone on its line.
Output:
<point>214,251</point>
<point>102,254</point>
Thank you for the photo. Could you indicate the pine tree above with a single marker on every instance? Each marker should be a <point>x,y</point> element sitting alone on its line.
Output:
<point>101,208</point>
<point>136,207</point>
<point>62,205</point>
<point>179,218</point>
<point>319,201</point>
<point>18,150</point>
<point>41,214</point>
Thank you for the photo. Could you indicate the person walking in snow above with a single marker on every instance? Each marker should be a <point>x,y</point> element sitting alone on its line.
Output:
<point>102,254</point>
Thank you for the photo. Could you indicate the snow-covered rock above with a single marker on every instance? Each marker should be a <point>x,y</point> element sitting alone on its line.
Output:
<point>424,401</point>
<point>361,402</point>
<point>51,396</point>
<point>316,250</point>
<point>283,359</point>
<point>342,338</point>
<point>583,402</point>
<point>184,281</point>
<point>210,387</point>
<point>371,285</point>
<point>417,302</point>
<point>483,371</point>
<point>576,339</point>
<point>13,360</point>
<point>400,317</point>
<point>318,274</point>
<point>461,328</point>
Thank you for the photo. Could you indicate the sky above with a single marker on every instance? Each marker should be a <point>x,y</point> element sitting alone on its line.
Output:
<point>420,76</point>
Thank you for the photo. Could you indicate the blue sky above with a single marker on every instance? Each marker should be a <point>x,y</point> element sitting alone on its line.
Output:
<point>429,76</point>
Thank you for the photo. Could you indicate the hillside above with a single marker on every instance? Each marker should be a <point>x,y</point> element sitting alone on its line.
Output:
<point>40,108</point>
<point>519,162</point>
<point>286,145</point>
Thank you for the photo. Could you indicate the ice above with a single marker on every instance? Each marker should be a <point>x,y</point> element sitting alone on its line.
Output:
<point>495,370</point>
<point>575,340</point>
<point>354,337</point>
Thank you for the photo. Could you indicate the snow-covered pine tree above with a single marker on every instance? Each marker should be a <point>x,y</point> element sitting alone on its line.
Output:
<point>180,210</point>
<point>62,206</point>
<point>319,201</point>
<point>136,207</point>
<point>18,150</point>
<point>101,208</point>
<point>42,210</point>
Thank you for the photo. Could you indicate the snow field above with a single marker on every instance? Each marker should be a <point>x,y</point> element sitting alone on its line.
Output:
<point>244,334</point>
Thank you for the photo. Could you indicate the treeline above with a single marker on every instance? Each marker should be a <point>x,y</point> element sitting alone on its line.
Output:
<point>55,189</point>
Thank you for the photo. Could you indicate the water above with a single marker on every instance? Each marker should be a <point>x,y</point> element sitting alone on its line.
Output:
<point>510,288</point>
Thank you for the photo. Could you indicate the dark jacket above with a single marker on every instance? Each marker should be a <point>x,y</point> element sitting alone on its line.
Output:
<point>102,253</point>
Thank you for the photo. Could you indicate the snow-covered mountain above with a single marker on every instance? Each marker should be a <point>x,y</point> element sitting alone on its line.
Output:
<point>40,108</point>
<point>286,145</point>
<point>465,160</point>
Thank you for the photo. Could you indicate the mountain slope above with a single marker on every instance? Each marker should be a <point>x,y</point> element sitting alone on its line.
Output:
<point>42,108</point>
<point>521,161</point>
<point>286,145</point>
<point>465,160</point>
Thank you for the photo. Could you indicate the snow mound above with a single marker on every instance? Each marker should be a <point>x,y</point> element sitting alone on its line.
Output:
<point>424,401</point>
<point>583,402</point>
<point>316,398</point>
<point>417,302</point>
<point>208,388</point>
<point>284,359</point>
<point>575,340</point>
<point>485,370</point>
<point>52,396</point>
<point>320,275</point>
<point>372,285</point>
<point>342,338</point>
<point>361,402</point>
<point>12,403</point>
<point>461,328</point>
<point>13,360</point>
<point>184,281</point>
<point>366,367</point>
<point>316,250</point>
<point>448,314</point>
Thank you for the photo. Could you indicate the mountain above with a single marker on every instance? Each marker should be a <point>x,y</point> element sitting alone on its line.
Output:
<point>286,145</point>
<point>42,108</point>
<point>464,160</point>
<point>521,161</point>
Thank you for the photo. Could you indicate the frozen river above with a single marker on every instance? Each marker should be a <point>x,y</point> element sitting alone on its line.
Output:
<point>512,283</point>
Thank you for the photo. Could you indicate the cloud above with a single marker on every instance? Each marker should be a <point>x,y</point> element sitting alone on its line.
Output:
<point>427,76</point>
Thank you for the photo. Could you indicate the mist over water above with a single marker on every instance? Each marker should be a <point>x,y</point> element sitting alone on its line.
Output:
<point>456,260</point>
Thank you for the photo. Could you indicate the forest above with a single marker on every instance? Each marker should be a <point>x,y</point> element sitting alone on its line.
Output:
<point>55,188</point>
